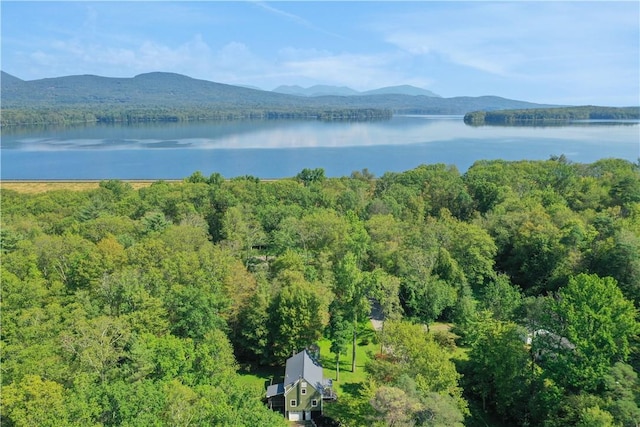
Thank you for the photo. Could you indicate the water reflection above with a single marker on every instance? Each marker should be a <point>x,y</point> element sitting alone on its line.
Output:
<point>279,148</point>
<point>273,134</point>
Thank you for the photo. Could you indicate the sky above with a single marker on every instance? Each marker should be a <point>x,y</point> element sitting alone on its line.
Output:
<point>570,53</point>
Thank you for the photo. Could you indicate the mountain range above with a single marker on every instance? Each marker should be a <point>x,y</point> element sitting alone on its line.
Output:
<point>324,90</point>
<point>169,90</point>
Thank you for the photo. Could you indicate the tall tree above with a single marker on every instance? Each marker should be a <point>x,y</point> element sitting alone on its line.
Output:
<point>338,331</point>
<point>295,318</point>
<point>591,325</point>
<point>351,295</point>
<point>500,367</point>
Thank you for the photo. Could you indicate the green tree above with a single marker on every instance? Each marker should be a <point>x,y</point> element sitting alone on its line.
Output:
<point>339,332</point>
<point>154,222</point>
<point>351,297</point>
<point>253,336</point>
<point>394,407</point>
<point>499,367</point>
<point>618,256</point>
<point>242,231</point>
<point>415,354</point>
<point>295,319</point>
<point>622,393</point>
<point>592,325</point>
<point>311,176</point>
<point>385,288</point>
<point>97,345</point>
<point>34,402</point>
<point>501,298</point>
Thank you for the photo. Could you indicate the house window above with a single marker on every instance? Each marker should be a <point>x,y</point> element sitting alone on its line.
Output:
<point>293,402</point>
<point>314,403</point>
<point>303,384</point>
<point>303,391</point>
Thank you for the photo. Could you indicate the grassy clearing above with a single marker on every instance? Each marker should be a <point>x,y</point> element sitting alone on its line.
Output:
<point>35,187</point>
<point>262,376</point>
<point>350,382</point>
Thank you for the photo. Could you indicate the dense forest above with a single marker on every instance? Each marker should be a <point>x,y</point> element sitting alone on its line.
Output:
<point>84,114</point>
<point>550,116</point>
<point>136,307</point>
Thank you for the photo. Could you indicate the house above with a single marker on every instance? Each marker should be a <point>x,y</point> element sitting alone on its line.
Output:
<point>547,343</point>
<point>300,396</point>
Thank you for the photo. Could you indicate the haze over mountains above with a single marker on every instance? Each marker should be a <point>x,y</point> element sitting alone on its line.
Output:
<point>324,90</point>
<point>171,90</point>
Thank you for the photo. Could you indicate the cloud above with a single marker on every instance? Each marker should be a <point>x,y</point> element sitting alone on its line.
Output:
<point>507,39</point>
<point>358,71</point>
<point>295,18</point>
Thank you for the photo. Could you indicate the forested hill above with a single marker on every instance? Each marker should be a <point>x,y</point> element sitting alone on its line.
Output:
<point>167,96</point>
<point>545,116</point>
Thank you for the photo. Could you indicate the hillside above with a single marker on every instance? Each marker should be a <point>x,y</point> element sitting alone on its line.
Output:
<point>175,97</point>
<point>8,79</point>
<point>142,90</point>
<point>322,90</point>
<point>317,90</point>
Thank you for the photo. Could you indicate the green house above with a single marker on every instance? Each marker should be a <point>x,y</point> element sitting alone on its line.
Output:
<point>301,394</point>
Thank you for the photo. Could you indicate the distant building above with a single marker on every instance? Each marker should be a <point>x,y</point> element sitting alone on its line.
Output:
<point>547,343</point>
<point>301,395</point>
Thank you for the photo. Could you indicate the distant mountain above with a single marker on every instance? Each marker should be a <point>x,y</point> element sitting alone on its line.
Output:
<point>148,89</point>
<point>250,87</point>
<point>317,90</point>
<point>327,90</point>
<point>174,94</point>
<point>401,90</point>
<point>8,79</point>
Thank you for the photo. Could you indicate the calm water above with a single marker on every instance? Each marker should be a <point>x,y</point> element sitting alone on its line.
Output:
<point>275,149</point>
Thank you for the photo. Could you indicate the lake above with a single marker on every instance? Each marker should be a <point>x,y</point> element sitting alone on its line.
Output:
<point>282,148</point>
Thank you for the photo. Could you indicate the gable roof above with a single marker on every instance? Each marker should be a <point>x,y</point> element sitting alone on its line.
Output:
<point>302,366</point>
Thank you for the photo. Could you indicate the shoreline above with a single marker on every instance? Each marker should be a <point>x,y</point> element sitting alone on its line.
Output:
<point>44,185</point>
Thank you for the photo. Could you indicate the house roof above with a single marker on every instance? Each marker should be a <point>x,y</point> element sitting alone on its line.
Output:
<point>302,366</point>
<point>299,367</point>
<point>275,389</point>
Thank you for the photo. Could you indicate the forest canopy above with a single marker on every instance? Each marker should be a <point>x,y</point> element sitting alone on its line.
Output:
<point>550,116</point>
<point>125,306</point>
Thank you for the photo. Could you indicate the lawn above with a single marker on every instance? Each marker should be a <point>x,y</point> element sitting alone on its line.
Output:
<point>349,382</point>
<point>367,344</point>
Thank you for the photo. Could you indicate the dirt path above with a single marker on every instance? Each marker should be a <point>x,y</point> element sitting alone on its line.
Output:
<point>376,316</point>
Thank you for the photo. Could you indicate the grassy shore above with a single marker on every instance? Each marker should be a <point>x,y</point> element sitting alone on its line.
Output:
<point>32,187</point>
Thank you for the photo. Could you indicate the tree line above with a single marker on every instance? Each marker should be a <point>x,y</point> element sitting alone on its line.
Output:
<point>135,307</point>
<point>550,116</point>
<point>130,115</point>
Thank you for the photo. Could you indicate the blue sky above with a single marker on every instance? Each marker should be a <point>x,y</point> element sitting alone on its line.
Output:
<point>544,51</point>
